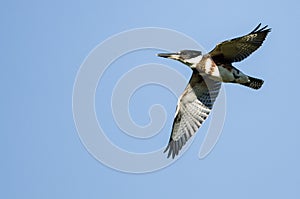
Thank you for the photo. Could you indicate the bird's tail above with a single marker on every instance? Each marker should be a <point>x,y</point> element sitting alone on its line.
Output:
<point>254,83</point>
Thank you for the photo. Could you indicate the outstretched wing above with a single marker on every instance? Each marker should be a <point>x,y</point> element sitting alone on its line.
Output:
<point>193,107</point>
<point>237,49</point>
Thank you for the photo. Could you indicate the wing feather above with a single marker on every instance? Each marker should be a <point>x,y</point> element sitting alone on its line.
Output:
<point>193,107</point>
<point>237,49</point>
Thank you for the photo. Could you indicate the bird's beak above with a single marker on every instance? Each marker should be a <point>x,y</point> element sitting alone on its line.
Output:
<point>169,55</point>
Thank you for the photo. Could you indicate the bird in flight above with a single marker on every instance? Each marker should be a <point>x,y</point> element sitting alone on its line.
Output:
<point>209,71</point>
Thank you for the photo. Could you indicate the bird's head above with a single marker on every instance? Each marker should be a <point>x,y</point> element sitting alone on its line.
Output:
<point>188,57</point>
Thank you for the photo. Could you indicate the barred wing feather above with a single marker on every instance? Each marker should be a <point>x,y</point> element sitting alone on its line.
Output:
<point>193,107</point>
<point>237,49</point>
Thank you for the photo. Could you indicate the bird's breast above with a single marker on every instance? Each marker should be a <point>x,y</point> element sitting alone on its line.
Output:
<point>208,67</point>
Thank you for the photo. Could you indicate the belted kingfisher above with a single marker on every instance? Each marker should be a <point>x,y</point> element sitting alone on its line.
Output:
<point>209,70</point>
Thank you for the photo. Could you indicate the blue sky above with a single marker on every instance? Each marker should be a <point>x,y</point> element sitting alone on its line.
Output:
<point>43,45</point>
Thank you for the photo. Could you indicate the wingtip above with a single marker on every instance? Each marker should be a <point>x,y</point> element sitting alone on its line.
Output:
<point>171,149</point>
<point>259,29</point>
